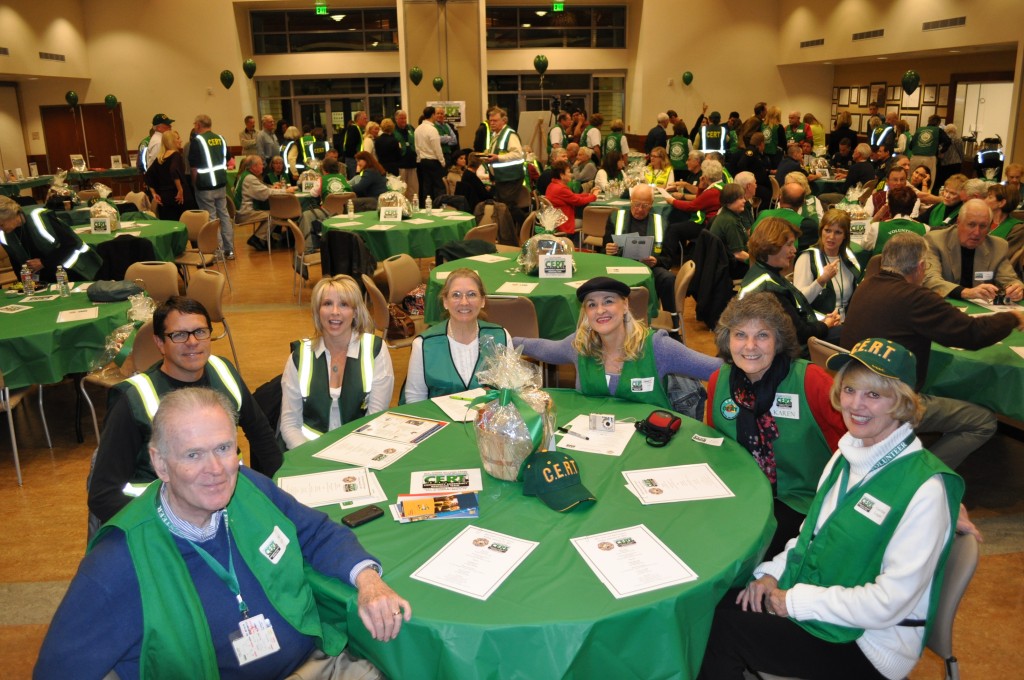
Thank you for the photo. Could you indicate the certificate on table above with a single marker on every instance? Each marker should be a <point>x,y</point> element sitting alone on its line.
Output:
<point>631,561</point>
<point>13,309</point>
<point>78,314</point>
<point>461,218</point>
<point>397,427</point>
<point>373,452</point>
<point>516,287</point>
<point>41,298</point>
<point>456,406</point>
<point>380,227</point>
<point>582,438</point>
<point>418,220</point>
<point>327,488</point>
<point>346,224</point>
<point>475,562</point>
<point>628,270</point>
<point>676,483</point>
<point>487,257</point>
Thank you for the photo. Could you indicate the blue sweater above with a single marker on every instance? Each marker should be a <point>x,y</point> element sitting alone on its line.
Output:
<point>98,626</point>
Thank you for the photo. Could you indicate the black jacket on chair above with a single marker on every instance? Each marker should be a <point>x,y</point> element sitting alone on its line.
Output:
<point>343,252</point>
<point>712,284</point>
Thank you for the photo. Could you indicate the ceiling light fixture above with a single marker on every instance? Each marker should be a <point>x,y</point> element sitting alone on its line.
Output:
<point>337,17</point>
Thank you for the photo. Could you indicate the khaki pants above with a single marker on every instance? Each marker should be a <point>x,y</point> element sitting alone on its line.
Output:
<point>319,666</point>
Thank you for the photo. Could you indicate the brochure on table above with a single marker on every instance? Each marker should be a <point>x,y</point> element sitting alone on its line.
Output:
<point>581,438</point>
<point>676,483</point>
<point>632,560</point>
<point>475,563</point>
<point>456,406</point>
<point>382,441</point>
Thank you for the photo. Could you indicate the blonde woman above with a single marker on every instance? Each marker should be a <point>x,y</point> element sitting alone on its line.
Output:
<point>168,181</point>
<point>659,172</point>
<point>774,135</point>
<point>347,369</point>
<point>812,206</point>
<point>616,355</point>
<point>369,139</point>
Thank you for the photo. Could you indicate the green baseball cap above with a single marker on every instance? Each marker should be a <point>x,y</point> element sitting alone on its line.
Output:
<point>885,357</point>
<point>554,477</point>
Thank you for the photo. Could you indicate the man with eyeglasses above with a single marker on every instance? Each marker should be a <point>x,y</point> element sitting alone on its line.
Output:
<point>181,330</point>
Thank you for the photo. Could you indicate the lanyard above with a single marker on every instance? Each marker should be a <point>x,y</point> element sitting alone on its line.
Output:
<point>228,576</point>
<point>844,475</point>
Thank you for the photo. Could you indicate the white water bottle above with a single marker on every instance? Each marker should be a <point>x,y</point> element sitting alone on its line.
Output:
<point>415,202</point>
<point>28,284</point>
<point>62,282</point>
<point>429,205</point>
<point>350,207</point>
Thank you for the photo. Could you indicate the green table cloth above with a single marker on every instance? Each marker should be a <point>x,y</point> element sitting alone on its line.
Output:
<point>553,618</point>
<point>13,189</point>
<point>35,349</point>
<point>992,377</point>
<point>558,309</point>
<point>91,176</point>
<point>661,206</point>
<point>168,237</point>
<point>419,236</point>
<point>827,186</point>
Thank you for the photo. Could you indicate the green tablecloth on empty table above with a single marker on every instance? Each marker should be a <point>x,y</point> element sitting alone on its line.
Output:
<point>992,377</point>
<point>553,618</point>
<point>94,175</point>
<point>168,237</point>
<point>557,307</point>
<point>34,348</point>
<point>13,189</point>
<point>827,186</point>
<point>419,239</point>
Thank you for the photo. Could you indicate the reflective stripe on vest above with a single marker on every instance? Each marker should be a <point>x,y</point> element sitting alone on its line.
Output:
<point>211,169</point>
<point>224,373</point>
<point>150,399</point>
<point>704,140</point>
<point>659,232</point>
<point>143,148</point>
<point>37,222</point>
<point>305,371</point>
<point>755,284</point>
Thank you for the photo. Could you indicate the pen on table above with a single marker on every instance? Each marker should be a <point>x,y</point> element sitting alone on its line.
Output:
<point>565,430</point>
<point>452,396</point>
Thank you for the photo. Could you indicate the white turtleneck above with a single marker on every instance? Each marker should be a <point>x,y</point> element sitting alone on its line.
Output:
<point>902,589</point>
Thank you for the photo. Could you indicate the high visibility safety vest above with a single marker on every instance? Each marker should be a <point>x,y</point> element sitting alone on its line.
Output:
<point>881,134</point>
<point>656,219</point>
<point>439,372</point>
<point>143,149</point>
<point>317,149</point>
<point>657,177</point>
<point>83,260</point>
<point>314,385</point>
<point>830,294</point>
<point>506,171</point>
<point>298,166</point>
<point>613,142</point>
<point>776,284</point>
<point>213,173</point>
<point>713,138</point>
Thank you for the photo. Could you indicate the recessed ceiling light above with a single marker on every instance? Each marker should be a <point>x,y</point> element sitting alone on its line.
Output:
<point>527,25</point>
<point>540,12</point>
<point>374,43</point>
<point>337,17</point>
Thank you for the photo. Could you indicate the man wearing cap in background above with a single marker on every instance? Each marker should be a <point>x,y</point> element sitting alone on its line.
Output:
<point>208,158</point>
<point>894,304</point>
<point>161,124</point>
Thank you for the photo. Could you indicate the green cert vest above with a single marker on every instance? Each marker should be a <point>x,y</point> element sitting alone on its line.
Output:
<point>758,279</point>
<point>801,451</point>
<point>506,171</point>
<point>438,368</point>
<point>829,295</point>
<point>638,382</point>
<point>613,142</point>
<point>213,171</point>
<point>889,228</point>
<point>771,139</point>
<point>334,184</point>
<point>176,637</point>
<point>925,141</point>
<point>13,244</point>
<point>83,260</point>
<point>848,549</point>
<point>942,216</point>
<point>256,204</point>
<point>678,151</point>
<point>797,135</point>
<point>787,214</point>
<point>444,130</point>
<point>144,390</point>
<point>583,136</point>
<point>315,384</point>
<point>1005,227</point>
<point>733,141</point>
<point>560,134</point>
<point>656,219</point>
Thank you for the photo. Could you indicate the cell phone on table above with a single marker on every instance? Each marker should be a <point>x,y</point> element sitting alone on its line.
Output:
<point>362,516</point>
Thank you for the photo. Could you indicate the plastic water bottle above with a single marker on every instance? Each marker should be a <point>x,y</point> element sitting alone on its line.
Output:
<point>429,206</point>
<point>350,207</point>
<point>27,282</point>
<point>415,202</point>
<point>62,282</point>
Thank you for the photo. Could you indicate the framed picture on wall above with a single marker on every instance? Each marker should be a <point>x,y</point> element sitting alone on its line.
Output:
<point>877,93</point>
<point>864,96</point>
<point>835,93</point>
<point>835,109</point>
<point>929,94</point>
<point>911,119</point>
<point>854,94</point>
<point>943,95</point>
<point>855,121</point>
<point>844,96</point>
<point>911,101</point>
<point>927,111</point>
<point>894,93</point>
<point>892,108</point>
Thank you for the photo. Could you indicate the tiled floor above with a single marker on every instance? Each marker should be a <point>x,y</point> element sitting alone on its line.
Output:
<point>45,520</point>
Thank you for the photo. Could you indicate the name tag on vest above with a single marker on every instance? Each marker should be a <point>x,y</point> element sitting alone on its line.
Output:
<point>273,548</point>
<point>872,508</point>
<point>786,406</point>
<point>641,385</point>
<point>984,276</point>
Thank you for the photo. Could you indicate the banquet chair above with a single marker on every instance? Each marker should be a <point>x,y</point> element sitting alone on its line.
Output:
<point>377,305</point>
<point>820,351</point>
<point>283,207</point>
<point>683,278</point>
<point>594,220</point>
<point>776,192</point>
<point>301,260</point>
<point>526,231</point>
<point>207,287</point>
<point>194,221</point>
<point>144,354</point>
<point>518,316</point>
<point>233,211</point>
<point>639,299</point>
<point>337,204</point>
<point>160,279</point>
<point>8,402</point>
<point>484,232</point>
<point>208,251</point>
<point>403,275</point>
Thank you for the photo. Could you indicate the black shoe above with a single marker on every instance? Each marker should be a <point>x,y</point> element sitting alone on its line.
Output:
<point>257,243</point>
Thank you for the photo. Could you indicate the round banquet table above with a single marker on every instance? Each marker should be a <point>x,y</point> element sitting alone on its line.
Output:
<point>12,189</point>
<point>419,236</point>
<point>558,309</point>
<point>35,349</point>
<point>661,206</point>
<point>552,617</point>
<point>168,237</point>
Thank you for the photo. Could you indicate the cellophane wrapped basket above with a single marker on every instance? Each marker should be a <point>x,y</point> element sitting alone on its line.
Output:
<point>547,242</point>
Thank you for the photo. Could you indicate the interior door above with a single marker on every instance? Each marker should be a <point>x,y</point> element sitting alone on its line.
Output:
<point>104,134</point>
<point>63,135</point>
<point>89,129</point>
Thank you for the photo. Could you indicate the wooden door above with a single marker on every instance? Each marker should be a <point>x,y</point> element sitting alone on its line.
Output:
<point>104,134</point>
<point>92,130</point>
<point>63,135</point>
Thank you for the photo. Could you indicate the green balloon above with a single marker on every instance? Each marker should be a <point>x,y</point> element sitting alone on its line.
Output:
<point>687,77</point>
<point>71,97</point>
<point>227,79</point>
<point>911,79</point>
<point>438,83</point>
<point>249,67</point>
<point>540,62</point>
<point>111,101</point>
<point>415,75</point>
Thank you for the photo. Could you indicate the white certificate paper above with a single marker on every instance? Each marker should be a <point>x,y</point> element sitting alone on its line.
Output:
<point>631,561</point>
<point>419,220</point>
<point>380,227</point>
<point>398,427</point>
<point>475,562</point>
<point>677,483</point>
<point>371,452</point>
<point>327,488</point>
<point>456,406</point>
<point>78,314</point>
<point>605,443</point>
<point>13,309</point>
<point>487,257</point>
<point>516,287</point>
<point>627,270</point>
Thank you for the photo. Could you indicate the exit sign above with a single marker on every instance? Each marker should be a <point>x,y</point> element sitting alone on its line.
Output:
<point>557,6</point>
<point>321,7</point>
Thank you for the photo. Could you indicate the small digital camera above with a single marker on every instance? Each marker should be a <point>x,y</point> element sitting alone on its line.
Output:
<point>1000,298</point>
<point>602,422</point>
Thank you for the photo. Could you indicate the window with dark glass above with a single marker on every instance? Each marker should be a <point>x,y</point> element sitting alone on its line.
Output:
<point>533,27</point>
<point>341,30</point>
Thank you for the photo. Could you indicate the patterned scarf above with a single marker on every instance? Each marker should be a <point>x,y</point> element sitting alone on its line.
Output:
<point>756,430</point>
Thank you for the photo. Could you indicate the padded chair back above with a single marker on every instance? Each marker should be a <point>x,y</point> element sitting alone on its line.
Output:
<point>207,287</point>
<point>209,238</point>
<point>285,207</point>
<point>485,232</point>
<point>194,221</point>
<point>594,220</point>
<point>639,300</point>
<point>866,193</point>
<point>960,567</point>
<point>526,231</point>
<point>139,199</point>
<point>145,353</point>
<point>515,314</point>
<point>820,351</point>
<point>335,204</point>
<point>403,274</point>
<point>776,191</point>
<point>376,304</point>
<point>160,279</point>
